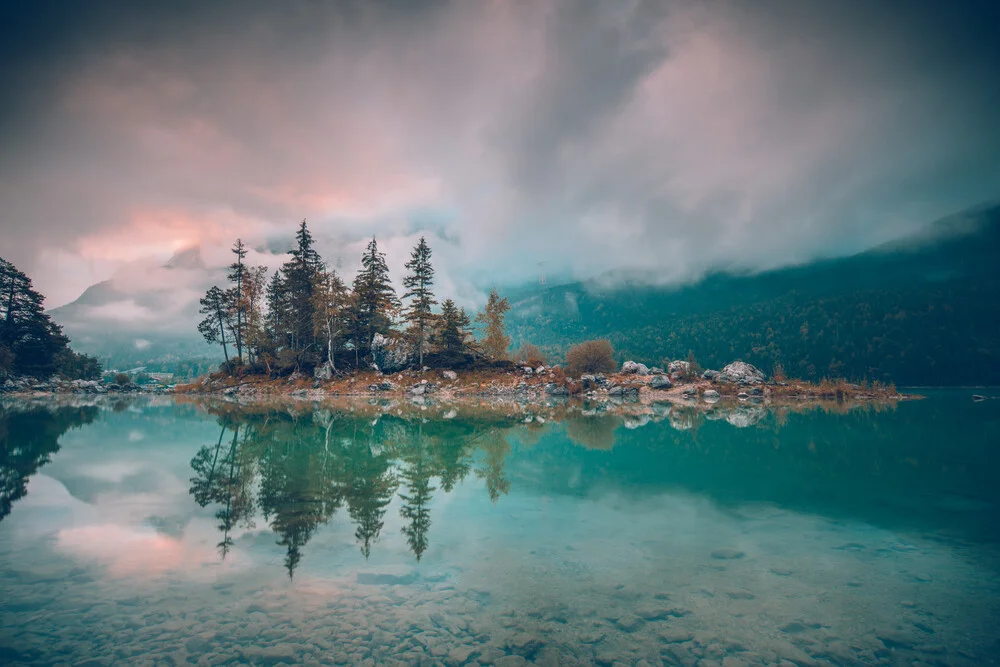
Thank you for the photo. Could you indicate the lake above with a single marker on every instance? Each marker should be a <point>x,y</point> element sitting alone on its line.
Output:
<point>162,531</point>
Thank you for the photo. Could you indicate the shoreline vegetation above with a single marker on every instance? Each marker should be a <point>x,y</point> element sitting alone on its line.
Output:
<point>536,385</point>
<point>539,386</point>
<point>303,332</point>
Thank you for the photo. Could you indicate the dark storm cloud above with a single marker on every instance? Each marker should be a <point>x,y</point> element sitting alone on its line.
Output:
<point>669,137</point>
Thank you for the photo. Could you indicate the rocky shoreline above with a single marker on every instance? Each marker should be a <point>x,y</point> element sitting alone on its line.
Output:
<point>634,384</point>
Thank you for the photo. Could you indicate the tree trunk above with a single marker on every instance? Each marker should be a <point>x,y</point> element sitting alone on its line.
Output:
<point>222,331</point>
<point>239,312</point>
<point>329,347</point>
<point>9,318</point>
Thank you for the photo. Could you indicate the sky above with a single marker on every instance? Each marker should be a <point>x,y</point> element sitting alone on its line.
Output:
<point>567,137</point>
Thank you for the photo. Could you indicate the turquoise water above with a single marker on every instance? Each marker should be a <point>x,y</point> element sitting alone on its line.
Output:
<point>154,532</point>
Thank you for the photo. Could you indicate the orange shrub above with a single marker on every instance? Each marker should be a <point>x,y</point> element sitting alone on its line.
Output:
<point>592,356</point>
<point>530,354</point>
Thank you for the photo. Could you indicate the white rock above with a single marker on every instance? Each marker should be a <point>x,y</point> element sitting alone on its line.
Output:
<point>633,367</point>
<point>742,372</point>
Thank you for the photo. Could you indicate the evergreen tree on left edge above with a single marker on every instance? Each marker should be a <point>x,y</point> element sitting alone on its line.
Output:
<point>31,343</point>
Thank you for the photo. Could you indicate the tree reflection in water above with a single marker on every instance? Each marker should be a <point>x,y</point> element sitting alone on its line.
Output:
<point>29,436</point>
<point>296,469</point>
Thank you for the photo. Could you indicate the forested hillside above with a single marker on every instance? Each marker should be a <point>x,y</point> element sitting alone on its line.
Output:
<point>924,312</point>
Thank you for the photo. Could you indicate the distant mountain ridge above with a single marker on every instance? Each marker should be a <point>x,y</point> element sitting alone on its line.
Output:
<point>923,310</point>
<point>143,315</point>
<point>919,311</point>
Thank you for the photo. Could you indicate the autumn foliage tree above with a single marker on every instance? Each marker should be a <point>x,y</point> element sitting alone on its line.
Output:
<point>495,341</point>
<point>331,312</point>
<point>592,356</point>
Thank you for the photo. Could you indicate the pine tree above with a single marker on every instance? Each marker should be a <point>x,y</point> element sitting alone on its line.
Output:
<point>237,298</point>
<point>454,328</point>
<point>375,300</point>
<point>215,307</point>
<point>418,287</point>
<point>495,341</point>
<point>275,320</point>
<point>30,342</point>
<point>299,276</point>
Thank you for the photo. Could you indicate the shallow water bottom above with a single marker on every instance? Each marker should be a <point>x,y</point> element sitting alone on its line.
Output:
<point>668,580</point>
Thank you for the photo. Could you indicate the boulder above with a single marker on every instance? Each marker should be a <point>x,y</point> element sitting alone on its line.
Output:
<point>710,395</point>
<point>553,389</point>
<point>323,372</point>
<point>449,375</point>
<point>634,368</point>
<point>390,355</point>
<point>679,368</point>
<point>741,372</point>
<point>690,392</point>
<point>630,393</point>
<point>660,382</point>
<point>710,375</point>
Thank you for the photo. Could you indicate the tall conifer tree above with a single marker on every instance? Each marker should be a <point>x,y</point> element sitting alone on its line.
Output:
<point>375,299</point>
<point>418,285</point>
<point>299,276</point>
<point>213,327</point>
<point>30,342</point>
<point>237,299</point>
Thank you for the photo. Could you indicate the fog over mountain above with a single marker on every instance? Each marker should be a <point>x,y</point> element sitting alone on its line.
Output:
<point>918,310</point>
<point>579,139</point>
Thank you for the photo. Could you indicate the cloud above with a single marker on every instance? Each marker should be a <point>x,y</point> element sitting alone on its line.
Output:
<point>668,138</point>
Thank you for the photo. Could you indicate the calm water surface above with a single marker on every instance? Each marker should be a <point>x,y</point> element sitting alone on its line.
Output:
<point>154,532</point>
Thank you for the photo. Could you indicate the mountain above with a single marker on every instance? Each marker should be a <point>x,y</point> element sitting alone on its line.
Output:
<point>919,311</point>
<point>922,311</point>
<point>145,315</point>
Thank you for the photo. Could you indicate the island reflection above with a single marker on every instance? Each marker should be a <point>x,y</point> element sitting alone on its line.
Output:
<point>294,467</point>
